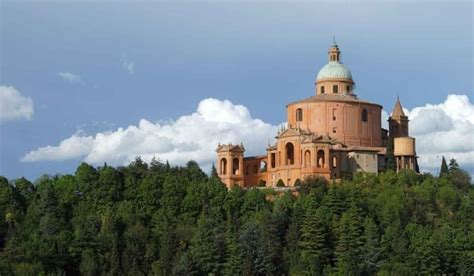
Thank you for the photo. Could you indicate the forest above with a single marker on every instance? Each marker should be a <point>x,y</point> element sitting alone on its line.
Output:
<point>156,219</point>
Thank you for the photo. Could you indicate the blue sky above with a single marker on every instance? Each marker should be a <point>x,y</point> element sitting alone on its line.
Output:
<point>93,67</point>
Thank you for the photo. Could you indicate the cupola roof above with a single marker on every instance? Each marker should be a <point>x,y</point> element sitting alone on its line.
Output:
<point>334,69</point>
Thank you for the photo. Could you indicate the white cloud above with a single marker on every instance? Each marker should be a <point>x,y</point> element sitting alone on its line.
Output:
<point>14,106</point>
<point>70,148</point>
<point>442,129</point>
<point>190,137</point>
<point>70,77</point>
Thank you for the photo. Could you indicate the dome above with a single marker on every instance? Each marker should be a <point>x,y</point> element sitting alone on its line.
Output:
<point>332,70</point>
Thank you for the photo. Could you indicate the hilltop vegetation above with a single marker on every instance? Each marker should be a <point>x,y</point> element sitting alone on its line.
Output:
<point>160,220</point>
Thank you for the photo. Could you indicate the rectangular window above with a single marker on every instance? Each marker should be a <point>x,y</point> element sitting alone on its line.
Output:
<point>322,89</point>
<point>348,88</point>
<point>334,89</point>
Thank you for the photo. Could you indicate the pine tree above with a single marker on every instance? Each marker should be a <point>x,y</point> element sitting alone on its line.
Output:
<point>314,239</point>
<point>334,200</point>
<point>205,246</point>
<point>233,265</point>
<point>214,171</point>
<point>444,171</point>
<point>349,242</point>
<point>453,165</point>
<point>371,249</point>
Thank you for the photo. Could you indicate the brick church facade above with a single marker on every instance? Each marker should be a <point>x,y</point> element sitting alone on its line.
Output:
<point>331,134</point>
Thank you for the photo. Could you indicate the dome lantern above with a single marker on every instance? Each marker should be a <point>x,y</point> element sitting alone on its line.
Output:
<point>334,52</point>
<point>334,77</point>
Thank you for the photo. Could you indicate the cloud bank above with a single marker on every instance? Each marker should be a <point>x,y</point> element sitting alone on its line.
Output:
<point>70,77</point>
<point>14,106</point>
<point>442,129</point>
<point>190,137</point>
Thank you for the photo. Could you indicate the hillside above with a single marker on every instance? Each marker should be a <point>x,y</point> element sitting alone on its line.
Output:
<point>153,219</point>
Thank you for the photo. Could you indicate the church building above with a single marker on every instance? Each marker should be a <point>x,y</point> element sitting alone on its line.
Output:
<point>332,134</point>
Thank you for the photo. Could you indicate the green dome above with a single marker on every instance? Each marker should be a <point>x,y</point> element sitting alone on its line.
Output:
<point>333,70</point>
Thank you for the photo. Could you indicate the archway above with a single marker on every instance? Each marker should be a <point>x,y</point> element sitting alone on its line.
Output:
<point>223,166</point>
<point>307,158</point>
<point>290,154</point>
<point>321,159</point>
<point>263,166</point>
<point>235,166</point>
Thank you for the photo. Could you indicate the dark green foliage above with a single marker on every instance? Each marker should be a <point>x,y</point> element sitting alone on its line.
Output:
<point>154,219</point>
<point>315,240</point>
<point>444,168</point>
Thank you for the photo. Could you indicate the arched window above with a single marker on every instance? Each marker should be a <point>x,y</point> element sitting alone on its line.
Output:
<point>335,89</point>
<point>307,158</point>
<point>235,166</point>
<point>364,115</point>
<point>321,159</point>
<point>272,160</point>
<point>299,115</point>
<point>290,154</point>
<point>322,89</point>
<point>263,166</point>
<point>334,162</point>
<point>223,166</point>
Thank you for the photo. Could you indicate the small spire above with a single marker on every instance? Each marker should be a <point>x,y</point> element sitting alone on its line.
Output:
<point>398,109</point>
<point>334,40</point>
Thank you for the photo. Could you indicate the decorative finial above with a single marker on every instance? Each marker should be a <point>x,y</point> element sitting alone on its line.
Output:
<point>334,39</point>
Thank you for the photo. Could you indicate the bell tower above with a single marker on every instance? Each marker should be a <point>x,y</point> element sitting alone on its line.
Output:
<point>403,145</point>
<point>398,122</point>
<point>230,164</point>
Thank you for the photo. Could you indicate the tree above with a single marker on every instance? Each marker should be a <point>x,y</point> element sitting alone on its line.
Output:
<point>256,260</point>
<point>234,258</point>
<point>444,171</point>
<point>314,242</point>
<point>370,251</point>
<point>350,241</point>
<point>214,171</point>
<point>453,165</point>
<point>207,246</point>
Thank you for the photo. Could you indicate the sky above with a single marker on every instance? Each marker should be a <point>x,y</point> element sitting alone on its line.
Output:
<point>106,81</point>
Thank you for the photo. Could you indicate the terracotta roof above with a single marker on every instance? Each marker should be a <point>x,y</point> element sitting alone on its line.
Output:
<point>398,110</point>
<point>333,98</point>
